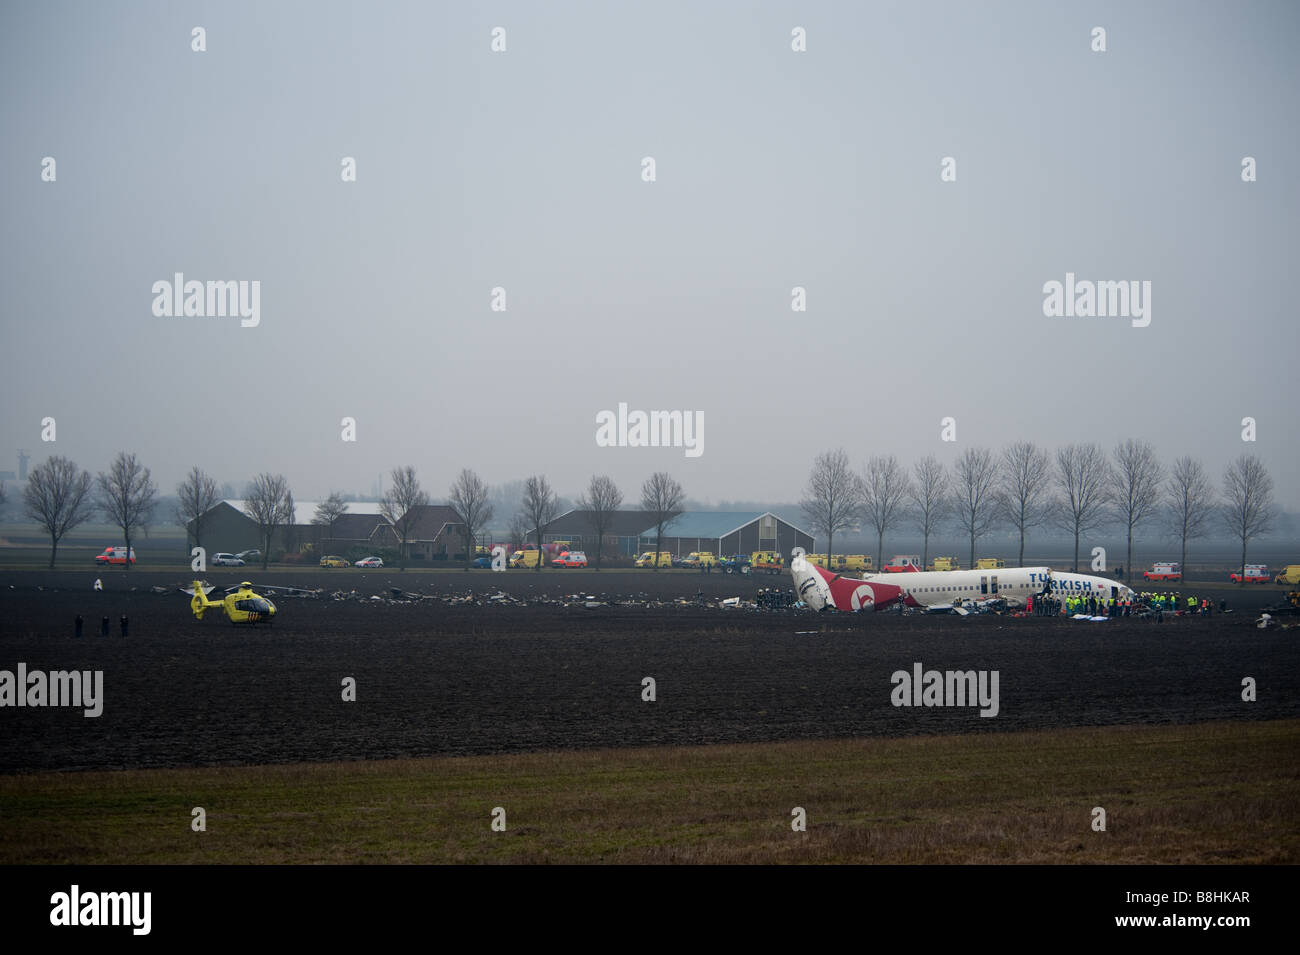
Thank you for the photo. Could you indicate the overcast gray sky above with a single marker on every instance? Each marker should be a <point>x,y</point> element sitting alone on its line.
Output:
<point>523,169</point>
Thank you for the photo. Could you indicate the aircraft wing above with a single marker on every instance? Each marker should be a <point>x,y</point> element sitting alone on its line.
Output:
<point>939,608</point>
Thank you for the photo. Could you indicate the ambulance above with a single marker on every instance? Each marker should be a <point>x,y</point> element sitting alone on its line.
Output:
<point>1164,570</point>
<point>903,564</point>
<point>114,555</point>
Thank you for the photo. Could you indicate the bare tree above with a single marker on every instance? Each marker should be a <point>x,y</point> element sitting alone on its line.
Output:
<point>329,511</point>
<point>974,495</point>
<point>601,500</point>
<point>1190,498</point>
<point>506,497</point>
<point>127,497</point>
<point>196,495</point>
<point>539,507</point>
<point>663,497</point>
<point>1024,486</point>
<point>832,498</point>
<point>1247,501</point>
<point>883,492</point>
<point>1135,491</point>
<point>930,502</point>
<point>57,497</point>
<point>399,504</point>
<point>290,524</point>
<point>269,505</point>
<point>518,531</point>
<point>469,497</point>
<point>1083,477</point>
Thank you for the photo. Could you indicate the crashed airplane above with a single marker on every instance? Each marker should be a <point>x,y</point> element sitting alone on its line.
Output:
<point>942,590</point>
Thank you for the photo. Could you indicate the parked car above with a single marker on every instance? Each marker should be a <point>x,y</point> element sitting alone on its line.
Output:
<point>482,563</point>
<point>574,558</point>
<point>114,555</point>
<point>331,560</point>
<point>228,560</point>
<point>249,554</point>
<point>370,562</point>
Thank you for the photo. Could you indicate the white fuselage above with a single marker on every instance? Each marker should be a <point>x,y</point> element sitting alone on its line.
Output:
<point>1066,584</point>
<point>1013,584</point>
<point>942,588</point>
<point>821,589</point>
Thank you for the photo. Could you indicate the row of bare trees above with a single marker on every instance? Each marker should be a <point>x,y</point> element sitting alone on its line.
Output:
<point>662,498</point>
<point>59,496</point>
<point>1079,488</point>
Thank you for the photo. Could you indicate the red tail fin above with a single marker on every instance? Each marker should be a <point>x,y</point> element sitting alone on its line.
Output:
<point>854,595</point>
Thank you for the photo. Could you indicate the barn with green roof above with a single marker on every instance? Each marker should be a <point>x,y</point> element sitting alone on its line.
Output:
<point>728,532</point>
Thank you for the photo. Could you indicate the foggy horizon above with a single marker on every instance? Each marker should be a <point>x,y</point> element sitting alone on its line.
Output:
<point>522,170</point>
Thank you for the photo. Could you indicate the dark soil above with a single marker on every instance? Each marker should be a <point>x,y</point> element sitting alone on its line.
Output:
<point>537,672</point>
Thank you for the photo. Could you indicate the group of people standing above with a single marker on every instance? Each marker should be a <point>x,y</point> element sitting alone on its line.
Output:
<point>1176,603</point>
<point>1051,605</point>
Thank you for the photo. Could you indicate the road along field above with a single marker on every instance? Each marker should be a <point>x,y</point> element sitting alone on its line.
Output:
<point>447,676</point>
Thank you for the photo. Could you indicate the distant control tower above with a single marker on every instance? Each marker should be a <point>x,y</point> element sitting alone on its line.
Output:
<point>23,458</point>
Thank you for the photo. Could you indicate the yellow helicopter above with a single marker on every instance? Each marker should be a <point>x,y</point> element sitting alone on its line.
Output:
<point>241,604</point>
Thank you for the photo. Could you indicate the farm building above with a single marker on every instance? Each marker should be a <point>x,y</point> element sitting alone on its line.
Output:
<point>438,533</point>
<point>225,527</point>
<point>621,534</point>
<point>727,532</point>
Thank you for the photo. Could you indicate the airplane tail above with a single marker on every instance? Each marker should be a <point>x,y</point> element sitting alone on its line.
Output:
<point>820,589</point>
<point>854,595</point>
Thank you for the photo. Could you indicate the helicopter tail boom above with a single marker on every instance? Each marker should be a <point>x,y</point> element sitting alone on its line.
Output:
<point>200,601</point>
